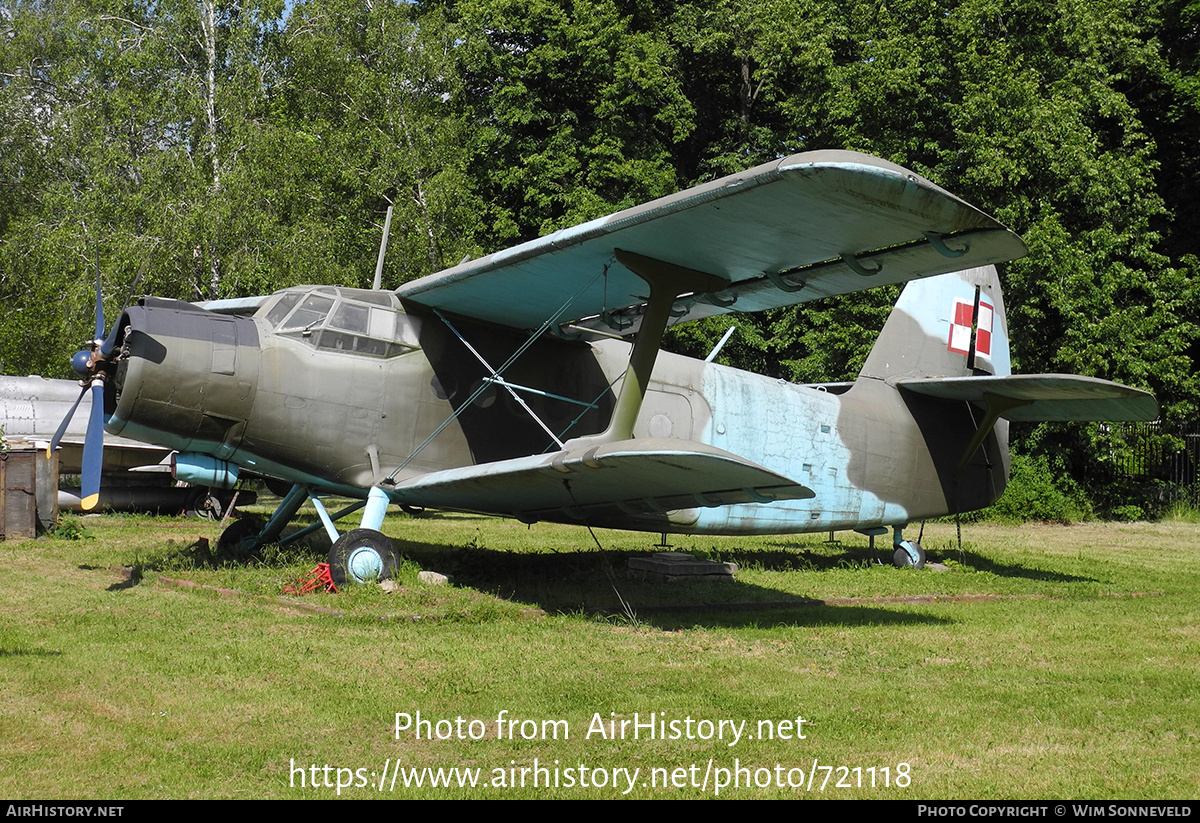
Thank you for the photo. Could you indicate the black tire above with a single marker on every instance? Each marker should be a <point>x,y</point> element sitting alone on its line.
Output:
<point>361,556</point>
<point>902,559</point>
<point>240,539</point>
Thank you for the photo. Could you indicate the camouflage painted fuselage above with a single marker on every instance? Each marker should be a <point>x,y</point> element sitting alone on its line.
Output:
<point>336,388</point>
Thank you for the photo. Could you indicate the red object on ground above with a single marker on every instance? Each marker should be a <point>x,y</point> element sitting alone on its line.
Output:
<point>318,578</point>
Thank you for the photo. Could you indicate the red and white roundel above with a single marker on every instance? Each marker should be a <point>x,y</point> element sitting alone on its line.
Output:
<point>960,328</point>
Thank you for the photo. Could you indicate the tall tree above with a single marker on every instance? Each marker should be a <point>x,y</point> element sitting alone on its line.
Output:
<point>578,106</point>
<point>370,110</point>
<point>133,117</point>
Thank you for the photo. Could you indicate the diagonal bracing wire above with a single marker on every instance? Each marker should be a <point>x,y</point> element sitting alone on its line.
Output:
<point>484,385</point>
<point>496,379</point>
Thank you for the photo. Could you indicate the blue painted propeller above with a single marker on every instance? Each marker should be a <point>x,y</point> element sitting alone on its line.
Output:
<point>90,364</point>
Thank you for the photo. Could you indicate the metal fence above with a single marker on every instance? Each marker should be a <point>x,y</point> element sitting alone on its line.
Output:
<point>1167,455</point>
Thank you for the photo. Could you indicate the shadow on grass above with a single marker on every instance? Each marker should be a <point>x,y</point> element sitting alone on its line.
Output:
<point>800,617</point>
<point>578,581</point>
<point>205,554</point>
<point>793,556</point>
<point>29,653</point>
<point>598,583</point>
<point>980,563</point>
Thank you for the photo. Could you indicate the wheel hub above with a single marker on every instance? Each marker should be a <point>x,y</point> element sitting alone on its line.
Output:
<point>364,564</point>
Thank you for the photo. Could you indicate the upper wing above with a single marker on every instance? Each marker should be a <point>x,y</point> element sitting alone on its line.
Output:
<point>796,229</point>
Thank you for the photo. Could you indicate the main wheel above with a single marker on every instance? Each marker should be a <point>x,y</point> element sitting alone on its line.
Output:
<point>240,538</point>
<point>910,555</point>
<point>361,556</point>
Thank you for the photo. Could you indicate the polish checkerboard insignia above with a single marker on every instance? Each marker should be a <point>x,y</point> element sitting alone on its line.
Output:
<point>960,328</point>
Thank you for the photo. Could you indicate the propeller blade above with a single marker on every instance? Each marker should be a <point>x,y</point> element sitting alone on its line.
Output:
<point>136,279</point>
<point>93,449</point>
<point>110,342</point>
<point>62,427</point>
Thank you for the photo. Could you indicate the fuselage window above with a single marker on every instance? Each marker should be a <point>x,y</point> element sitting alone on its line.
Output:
<point>340,341</point>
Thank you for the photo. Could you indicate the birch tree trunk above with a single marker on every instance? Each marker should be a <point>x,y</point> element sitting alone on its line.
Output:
<point>208,44</point>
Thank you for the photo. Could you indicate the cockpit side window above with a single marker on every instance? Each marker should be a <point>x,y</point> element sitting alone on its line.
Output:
<point>351,317</point>
<point>280,310</point>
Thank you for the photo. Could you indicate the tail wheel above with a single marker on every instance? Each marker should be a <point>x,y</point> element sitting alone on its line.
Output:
<point>361,556</point>
<point>909,555</point>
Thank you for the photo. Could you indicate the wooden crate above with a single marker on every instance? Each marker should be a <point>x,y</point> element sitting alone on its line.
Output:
<point>28,492</point>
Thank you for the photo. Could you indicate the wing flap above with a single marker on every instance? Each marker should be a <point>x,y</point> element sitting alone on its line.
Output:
<point>631,477</point>
<point>1044,397</point>
<point>845,209</point>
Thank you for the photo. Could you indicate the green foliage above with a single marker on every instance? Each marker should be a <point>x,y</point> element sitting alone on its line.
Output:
<point>1128,513</point>
<point>69,527</point>
<point>578,107</point>
<point>1181,512</point>
<point>1036,494</point>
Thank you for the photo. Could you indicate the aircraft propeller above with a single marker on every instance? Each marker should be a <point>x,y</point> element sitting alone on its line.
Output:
<point>92,365</point>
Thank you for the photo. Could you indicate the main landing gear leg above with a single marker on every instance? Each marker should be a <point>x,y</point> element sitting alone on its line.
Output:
<point>908,553</point>
<point>247,534</point>
<point>358,556</point>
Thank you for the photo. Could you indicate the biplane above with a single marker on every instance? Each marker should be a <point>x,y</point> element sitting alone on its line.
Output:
<point>530,383</point>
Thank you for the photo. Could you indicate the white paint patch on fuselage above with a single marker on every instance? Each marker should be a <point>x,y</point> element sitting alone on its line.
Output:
<point>792,430</point>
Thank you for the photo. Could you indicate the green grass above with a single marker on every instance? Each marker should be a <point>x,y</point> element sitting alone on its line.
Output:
<point>1047,662</point>
<point>1182,512</point>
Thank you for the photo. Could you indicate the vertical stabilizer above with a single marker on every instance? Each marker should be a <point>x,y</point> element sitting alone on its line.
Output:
<point>952,325</point>
<point>949,326</point>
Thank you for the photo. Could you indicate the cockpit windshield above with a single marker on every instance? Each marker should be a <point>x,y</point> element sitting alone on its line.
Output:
<point>351,320</point>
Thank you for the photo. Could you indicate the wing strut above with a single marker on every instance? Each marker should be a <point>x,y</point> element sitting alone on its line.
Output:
<point>996,406</point>
<point>667,282</point>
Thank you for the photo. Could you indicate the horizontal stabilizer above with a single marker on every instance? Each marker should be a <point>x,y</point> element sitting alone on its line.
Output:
<point>629,477</point>
<point>1043,397</point>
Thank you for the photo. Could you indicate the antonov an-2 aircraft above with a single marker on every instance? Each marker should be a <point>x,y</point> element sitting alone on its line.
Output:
<point>505,385</point>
